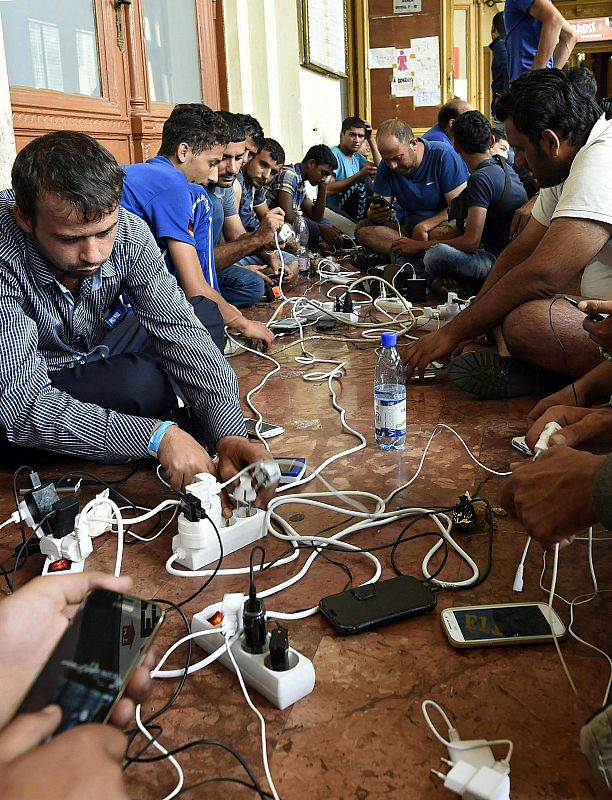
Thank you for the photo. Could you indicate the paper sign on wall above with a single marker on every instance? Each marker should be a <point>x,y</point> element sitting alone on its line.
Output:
<point>427,97</point>
<point>406,6</point>
<point>426,62</point>
<point>402,84</point>
<point>381,57</point>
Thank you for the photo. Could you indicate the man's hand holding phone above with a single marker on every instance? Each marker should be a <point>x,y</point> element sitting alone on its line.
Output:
<point>379,211</point>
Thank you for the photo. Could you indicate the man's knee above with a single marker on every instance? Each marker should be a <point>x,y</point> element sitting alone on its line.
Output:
<point>241,287</point>
<point>207,311</point>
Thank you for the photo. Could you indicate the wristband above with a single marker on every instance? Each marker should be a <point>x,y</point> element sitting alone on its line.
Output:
<point>157,436</point>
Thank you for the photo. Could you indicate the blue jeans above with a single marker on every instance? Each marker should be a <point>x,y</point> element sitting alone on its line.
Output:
<point>240,287</point>
<point>444,260</point>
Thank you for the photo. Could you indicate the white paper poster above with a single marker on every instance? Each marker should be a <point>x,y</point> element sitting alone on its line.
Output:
<point>406,6</point>
<point>381,57</point>
<point>402,84</point>
<point>426,62</point>
<point>427,97</point>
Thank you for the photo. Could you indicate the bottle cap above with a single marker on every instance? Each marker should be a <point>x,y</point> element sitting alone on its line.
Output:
<point>388,339</point>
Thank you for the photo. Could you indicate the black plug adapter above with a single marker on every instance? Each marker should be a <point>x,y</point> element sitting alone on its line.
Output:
<point>254,624</point>
<point>337,304</point>
<point>191,507</point>
<point>347,306</point>
<point>464,516</point>
<point>39,500</point>
<point>279,648</point>
<point>66,510</point>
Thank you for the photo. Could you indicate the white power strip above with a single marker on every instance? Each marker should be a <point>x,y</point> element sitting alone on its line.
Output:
<point>319,311</point>
<point>282,689</point>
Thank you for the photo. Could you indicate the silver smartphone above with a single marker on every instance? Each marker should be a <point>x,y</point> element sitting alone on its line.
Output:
<point>520,444</point>
<point>501,624</point>
<point>266,429</point>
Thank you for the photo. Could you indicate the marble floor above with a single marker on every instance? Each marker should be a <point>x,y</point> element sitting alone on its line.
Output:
<point>361,733</point>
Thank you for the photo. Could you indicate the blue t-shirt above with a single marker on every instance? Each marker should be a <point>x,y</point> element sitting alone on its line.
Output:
<point>223,205</point>
<point>422,194</point>
<point>522,37</point>
<point>250,198</point>
<point>436,134</point>
<point>173,208</point>
<point>347,168</point>
<point>485,188</point>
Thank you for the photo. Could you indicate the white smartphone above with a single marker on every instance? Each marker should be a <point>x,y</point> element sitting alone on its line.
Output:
<point>501,624</point>
<point>266,430</point>
<point>291,469</point>
<point>520,444</point>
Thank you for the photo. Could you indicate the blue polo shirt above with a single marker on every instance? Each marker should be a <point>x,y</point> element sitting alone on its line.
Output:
<point>422,194</point>
<point>173,208</point>
<point>522,37</point>
<point>436,134</point>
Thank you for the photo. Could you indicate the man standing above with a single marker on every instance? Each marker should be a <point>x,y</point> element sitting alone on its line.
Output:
<point>560,136</point>
<point>70,380</point>
<point>420,177</point>
<point>537,36</point>
<point>499,60</point>
<point>351,184</point>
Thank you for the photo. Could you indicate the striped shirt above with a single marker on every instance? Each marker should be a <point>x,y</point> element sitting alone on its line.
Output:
<point>289,179</point>
<point>43,329</point>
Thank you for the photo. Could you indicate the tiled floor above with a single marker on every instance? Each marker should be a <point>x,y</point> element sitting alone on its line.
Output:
<point>361,733</point>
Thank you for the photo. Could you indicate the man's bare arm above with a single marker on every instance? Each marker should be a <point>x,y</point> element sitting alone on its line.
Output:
<point>556,36</point>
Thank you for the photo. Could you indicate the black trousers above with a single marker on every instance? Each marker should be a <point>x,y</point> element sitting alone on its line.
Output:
<point>130,380</point>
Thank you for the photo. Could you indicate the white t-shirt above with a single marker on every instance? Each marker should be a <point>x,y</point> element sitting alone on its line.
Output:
<point>586,193</point>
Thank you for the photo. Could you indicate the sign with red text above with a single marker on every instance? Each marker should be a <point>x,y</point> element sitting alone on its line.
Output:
<point>592,29</point>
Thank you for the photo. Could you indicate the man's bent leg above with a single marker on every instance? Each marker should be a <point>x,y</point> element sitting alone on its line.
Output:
<point>241,287</point>
<point>565,347</point>
<point>444,260</point>
<point>378,238</point>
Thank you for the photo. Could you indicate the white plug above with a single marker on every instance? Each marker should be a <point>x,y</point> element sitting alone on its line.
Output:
<point>231,609</point>
<point>477,783</point>
<point>543,442</point>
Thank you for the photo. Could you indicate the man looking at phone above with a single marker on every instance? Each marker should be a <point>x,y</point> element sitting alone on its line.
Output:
<point>351,184</point>
<point>76,375</point>
<point>84,761</point>
<point>419,177</point>
<point>562,138</point>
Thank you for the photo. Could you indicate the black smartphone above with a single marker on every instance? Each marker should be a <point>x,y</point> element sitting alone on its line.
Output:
<point>95,658</point>
<point>375,604</point>
<point>595,317</point>
<point>382,202</point>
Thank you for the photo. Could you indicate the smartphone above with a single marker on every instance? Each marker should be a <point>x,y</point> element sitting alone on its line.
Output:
<point>89,669</point>
<point>288,325</point>
<point>429,376</point>
<point>366,607</point>
<point>501,624</point>
<point>291,469</point>
<point>595,317</point>
<point>266,430</point>
<point>377,200</point>
<point>519,443</point>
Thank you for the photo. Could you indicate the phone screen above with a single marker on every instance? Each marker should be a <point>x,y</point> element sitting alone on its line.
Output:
<point>96,655</point>
<point>508,622</point>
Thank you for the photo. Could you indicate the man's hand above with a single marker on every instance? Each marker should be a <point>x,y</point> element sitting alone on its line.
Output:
<point>521,217</point>
<point>32,622</point>
<point>271,222</point>
<point>600,332</point>
<point>82,762</point>
<point>331,235</point>
<point>235,453</point>
<point>253,330</point>
<point>552,497</point>
<point>405,246</point>
<point>564,397</point>
<point>586,428</point>
<point>367,171</point>
<point>378,215</point>
<point>420,232</point>
<point>431,347</point>
<point>182,458</point>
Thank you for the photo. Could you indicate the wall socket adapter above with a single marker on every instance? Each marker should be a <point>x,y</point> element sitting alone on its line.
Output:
<point>282,689</point>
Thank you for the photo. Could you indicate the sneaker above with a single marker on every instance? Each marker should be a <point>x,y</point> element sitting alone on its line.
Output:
<point>596,743</point>
<point>489,376</point>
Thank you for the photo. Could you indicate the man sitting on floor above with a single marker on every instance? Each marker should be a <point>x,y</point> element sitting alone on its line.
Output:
<point>288,192</point>
<point>75,375</point>
<point>351,184</point>
<point>442,131</point>
<point>482,212</point>
<point>167,192</point>
<point>421,178</point>
<point>562,138</point>
<point>250,195</point>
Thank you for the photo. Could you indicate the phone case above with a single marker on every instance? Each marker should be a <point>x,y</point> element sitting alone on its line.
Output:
<point>366,607</point>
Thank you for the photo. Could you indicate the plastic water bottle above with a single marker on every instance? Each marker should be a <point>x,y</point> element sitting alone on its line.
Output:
<point>390,396</point>
<point>302,234</point>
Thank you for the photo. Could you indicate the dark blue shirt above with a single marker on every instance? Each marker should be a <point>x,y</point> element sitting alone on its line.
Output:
<point>522,37</point>
<point>499,69</point>
<point>173,208</point>
<point>436,134</point>
<point>422,194</point>
<point>485,189</point>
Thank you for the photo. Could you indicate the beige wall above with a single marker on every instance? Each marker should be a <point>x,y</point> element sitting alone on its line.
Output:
<point>265,79</point>
<point>7,135</point>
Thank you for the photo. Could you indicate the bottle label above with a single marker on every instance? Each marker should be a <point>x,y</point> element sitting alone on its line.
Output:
<point>390,416</point>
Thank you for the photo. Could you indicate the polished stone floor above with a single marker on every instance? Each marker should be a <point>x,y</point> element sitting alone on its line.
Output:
<point>361,733</point>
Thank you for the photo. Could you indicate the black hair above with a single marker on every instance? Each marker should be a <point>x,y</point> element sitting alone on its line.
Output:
<point>274,148</point>
<point>352,122</point>
<point>546,99</point>
<point>73,167</point>
<point>472,132</point>
<point>583,80</point>
<point>237,128</point>
<point>252,128</point>
<point>450,110</point>
<point>499,133</point>
<point>321,154</point>
<point>195,124</point>
<point>498,23</point>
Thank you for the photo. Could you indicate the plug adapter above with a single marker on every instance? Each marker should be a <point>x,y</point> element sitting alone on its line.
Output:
<point>473,751</point>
